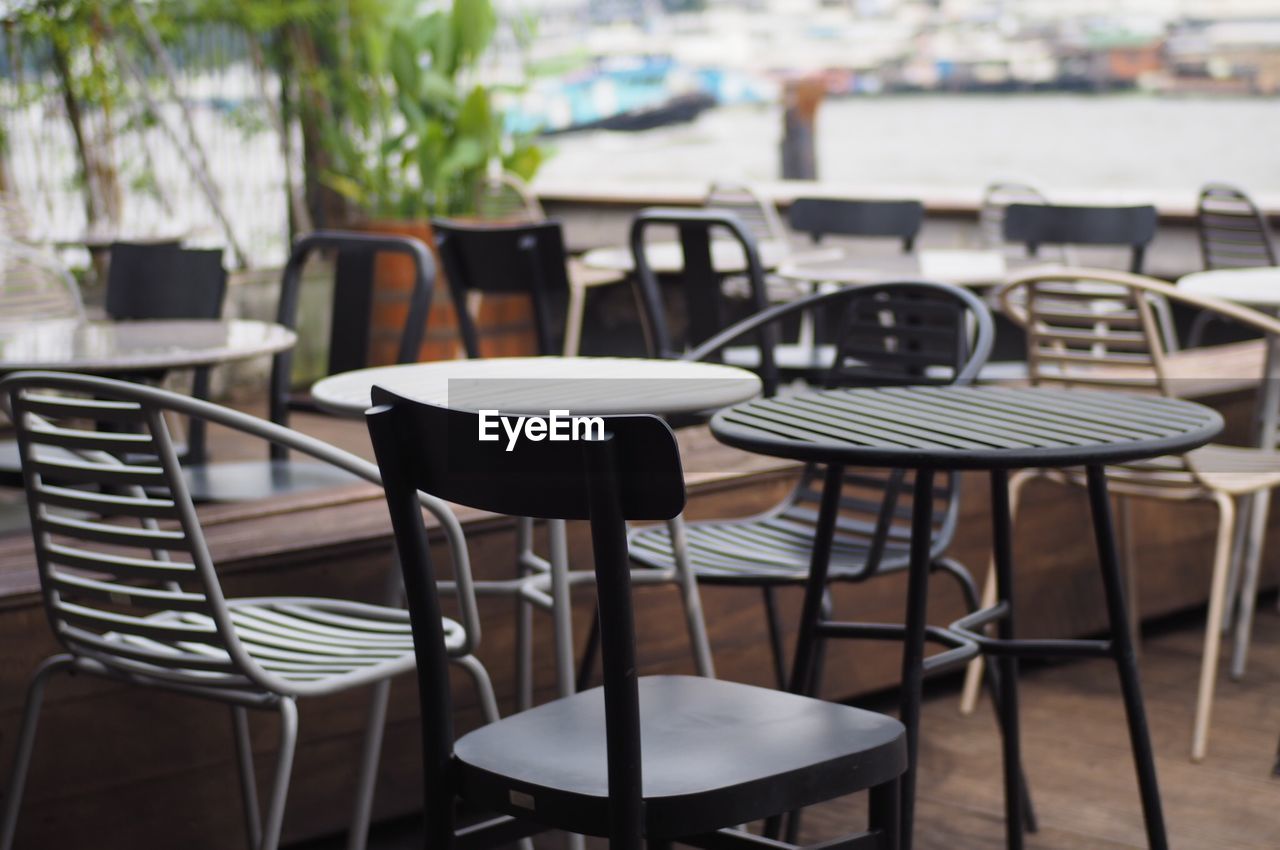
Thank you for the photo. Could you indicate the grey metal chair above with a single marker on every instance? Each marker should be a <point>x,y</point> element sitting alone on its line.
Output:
<point>132,594</point>
<point>822,217</point>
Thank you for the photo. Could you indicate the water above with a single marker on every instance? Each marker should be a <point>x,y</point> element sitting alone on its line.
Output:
<point>1061,143</point>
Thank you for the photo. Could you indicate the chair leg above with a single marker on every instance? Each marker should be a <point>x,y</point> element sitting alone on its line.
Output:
<point>248,779</point>
<point>1259,507</point>
<point>688,581</point>
<point>1239,543</point>
<point>573,319</point>
<point>562,606</point>
<point>885,813</point>
<point>524,621</point>
<point>587,667</point>
<point>25,743</point>
<point>1213,629</point>
<point>370,755</point>
<point>284,770</point>
<point>775,636</point>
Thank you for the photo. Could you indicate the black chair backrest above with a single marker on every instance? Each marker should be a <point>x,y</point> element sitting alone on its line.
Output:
<point>351,325</point>
<point>706,306</point>
<point>164,281</point>
<point>633,472</point>
<point>1233,232</point>
<point>528,259</point>
<point>821,217</point>
<point>1051,224</point>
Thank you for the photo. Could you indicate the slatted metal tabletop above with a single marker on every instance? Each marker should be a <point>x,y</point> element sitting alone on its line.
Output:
<point>949,427</point>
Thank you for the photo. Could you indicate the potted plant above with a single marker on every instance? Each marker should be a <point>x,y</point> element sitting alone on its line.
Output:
<point>398,128</point>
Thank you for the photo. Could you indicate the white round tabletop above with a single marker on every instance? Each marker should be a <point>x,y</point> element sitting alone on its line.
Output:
<point>961,267</point>
<point>598,386</point>
<point>1258,287</point>
<point>668,257</point>
<point>77,346</point>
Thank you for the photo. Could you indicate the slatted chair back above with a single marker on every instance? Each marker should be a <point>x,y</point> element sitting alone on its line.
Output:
<point>34,286</point>
<point>351,328</point>
<point>759,216</point>
<point>504,197</point>
<point>1232,230</point>
<point>996,198</point>
<point>821,217</point>
<point>632,472</point>
<point>524,259</point>
<point>706,307</point>
<point>1034,225</point>
<point>889,334</point>
<point>124,569</point>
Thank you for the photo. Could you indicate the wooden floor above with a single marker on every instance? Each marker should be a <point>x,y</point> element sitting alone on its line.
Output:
<point>1077,759</point>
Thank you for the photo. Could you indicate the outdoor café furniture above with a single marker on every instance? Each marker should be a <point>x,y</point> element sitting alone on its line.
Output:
<point>643,761</point>
<point>1099,329</point>
<point>957,266</point>
<point>888,334</point>
<point>132,593</point>
<point>34,285</point>
<point>161,281</point>
<point>357,322</point>
<point>1034,225</point>
<point>504,259</point>
<point>756,214</point>
<point>1258,288</point>
<point>943,429</point>
<point>595,386</point>
<point>822,217</point>
<point>996,198</point>
<point>1233,234</point>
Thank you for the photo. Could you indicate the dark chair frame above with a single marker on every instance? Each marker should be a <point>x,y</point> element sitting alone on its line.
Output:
<point>632,473</point>
<point>1054,224</point>
<point>821,217</point>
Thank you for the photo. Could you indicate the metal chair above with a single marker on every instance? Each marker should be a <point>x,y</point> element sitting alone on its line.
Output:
<point>525,259</point>
<point>1034,225</point>
<point>1233,234</point>
<point>1071,341</point>
<point>35,286</point>
<point>714,754</point>
<point>996,198</point>
<point>821,217</point>
<point>162,281</point>
<point>759,216</point>
<point>351,336</point>
<point>132,594</point>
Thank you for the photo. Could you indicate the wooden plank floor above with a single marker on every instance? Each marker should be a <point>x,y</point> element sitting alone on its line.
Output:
<point>1077,759</point>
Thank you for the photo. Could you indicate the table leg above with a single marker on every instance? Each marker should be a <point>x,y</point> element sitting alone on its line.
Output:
<point>1126,660</point>
<point>816,586</point>
<point>1007,664</point>
<point>913,640</point>
<point>562,606</point>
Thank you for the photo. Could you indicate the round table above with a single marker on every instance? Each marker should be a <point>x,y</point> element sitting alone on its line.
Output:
<point>591,385</point>
<point>927,429</point>
<point>581,385</point>
<point>961,267</point>
<point>142,346</point>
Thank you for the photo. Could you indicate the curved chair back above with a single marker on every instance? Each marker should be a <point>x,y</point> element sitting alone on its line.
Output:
<point>504,197</point>
<point>821,217</point>
<point>526,259</point>
<point>632,472</point>
<point>1034,225</point>
<point>759,216</point>
<point>352,314</point>
<point>996,198</point>
<point>1232,230</point>
<point>117,542</point>
<point>888,334</point>
<point>33,285</point>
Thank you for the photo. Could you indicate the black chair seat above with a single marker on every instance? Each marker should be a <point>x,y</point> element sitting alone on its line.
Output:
<point>762,550</point>
<point>715,754</point>
<point>247,481</point>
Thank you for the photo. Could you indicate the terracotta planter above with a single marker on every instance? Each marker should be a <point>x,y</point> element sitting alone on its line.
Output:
<point>504,323</point>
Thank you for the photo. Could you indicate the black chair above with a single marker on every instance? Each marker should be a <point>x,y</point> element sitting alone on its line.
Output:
<point>350,337</point>
<point>526,258</point>
<point>705,308</point>
<point>166,281</point>
<point>821,217</point>
<point>643,759</point>
<point>1034,225</point>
